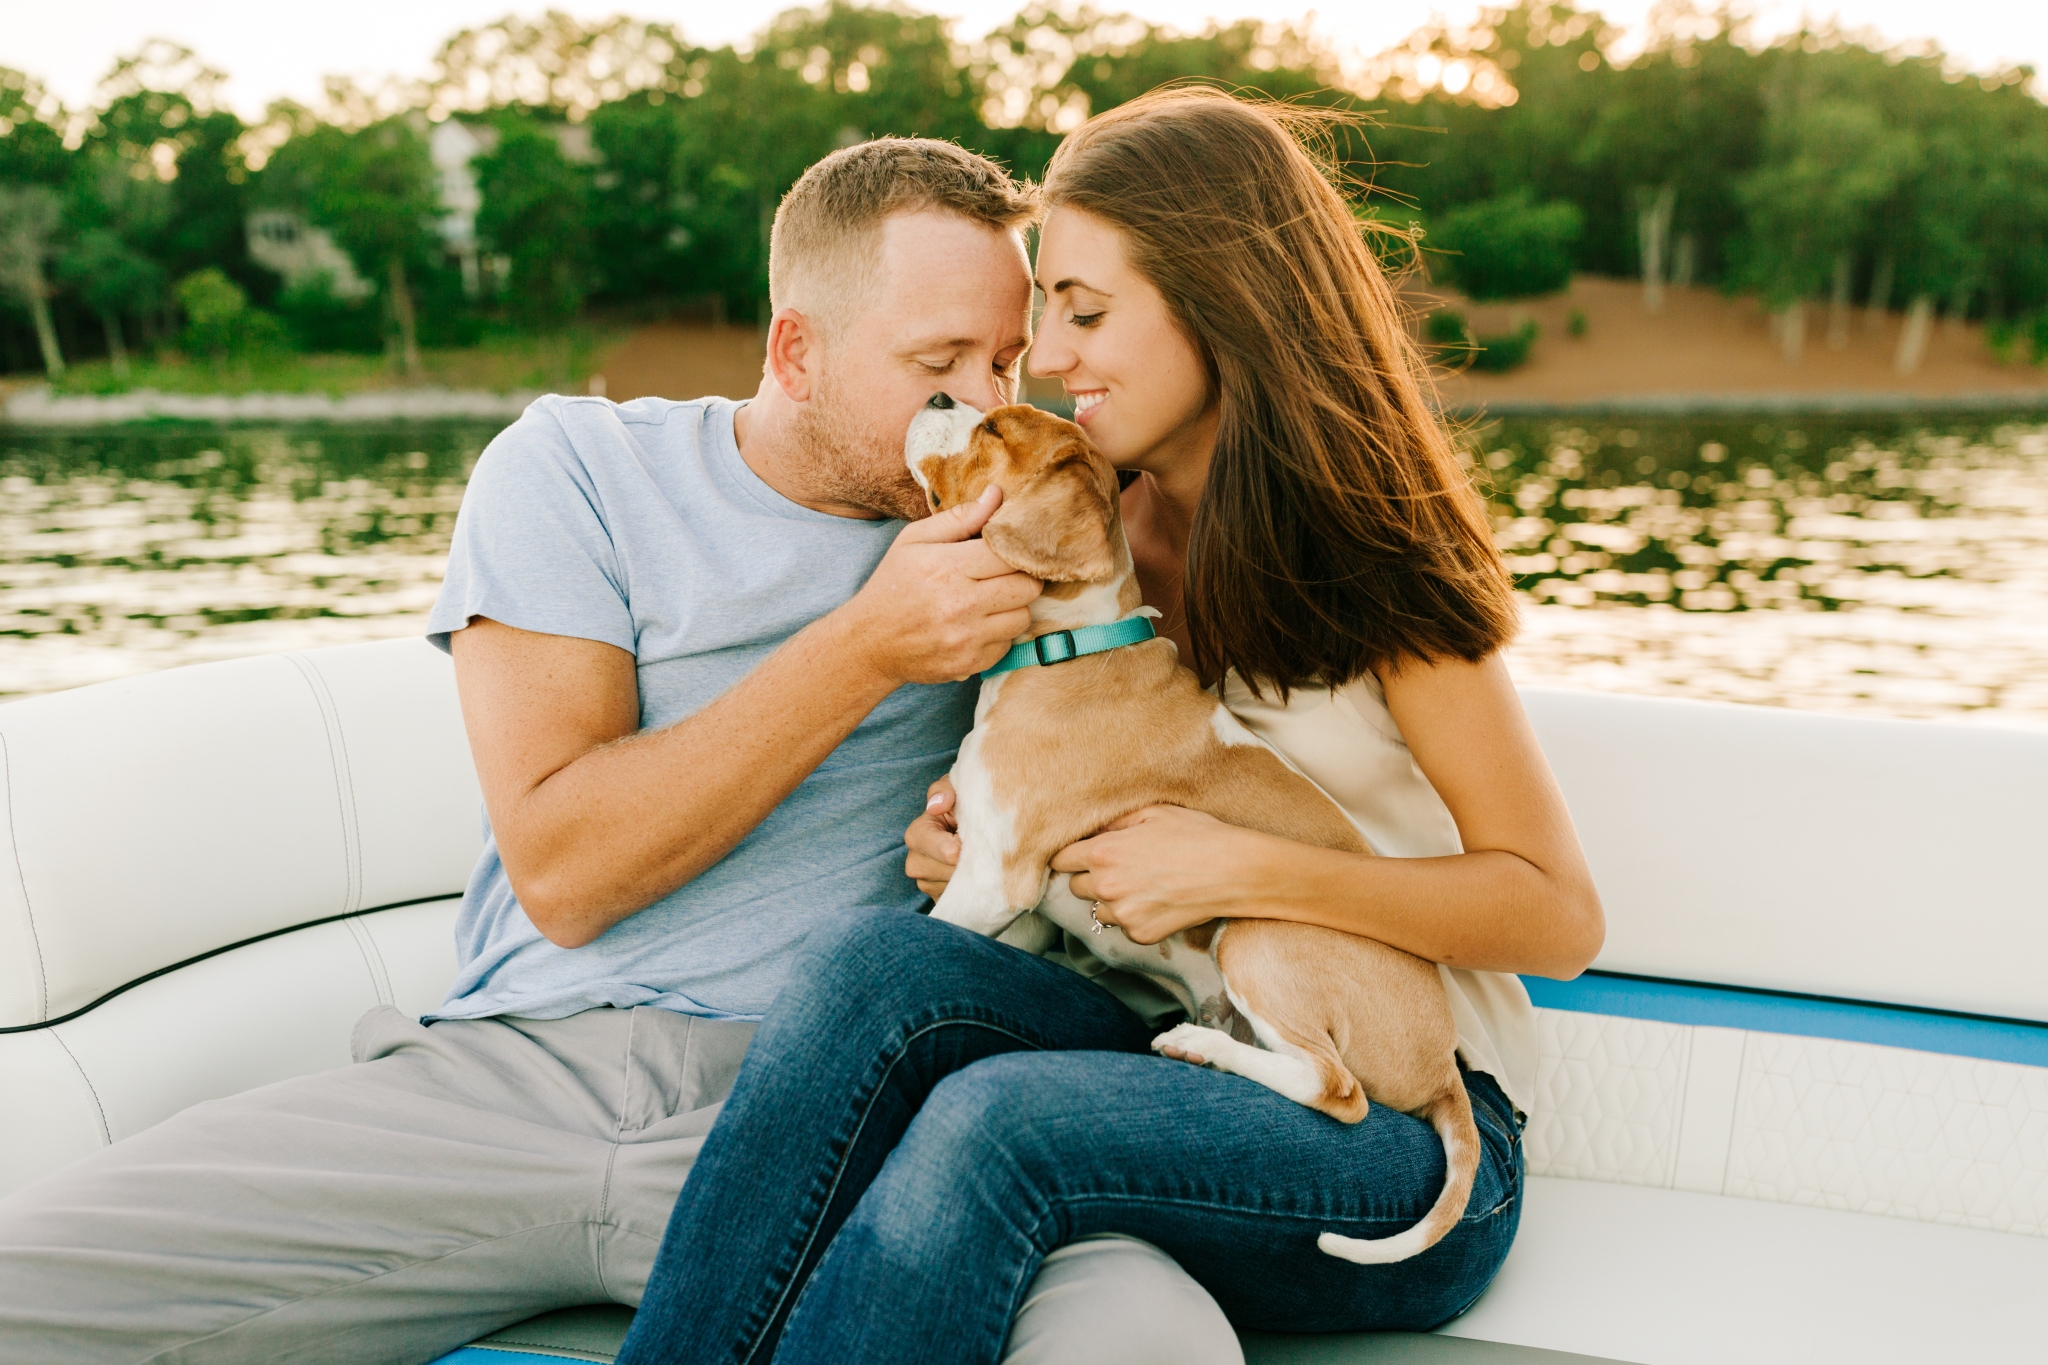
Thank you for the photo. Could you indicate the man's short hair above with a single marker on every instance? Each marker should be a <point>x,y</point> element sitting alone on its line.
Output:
<point>825,245</point>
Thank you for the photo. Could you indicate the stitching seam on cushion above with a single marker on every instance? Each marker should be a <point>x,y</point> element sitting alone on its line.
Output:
<point>380,977</point>
<point>1734,1110</point>
<point>344,788</point>
<point>1670,1181</point>
<point>28,910</point>
<point>355,814</point>
<point>147,977</point>
<point>106,1133</point>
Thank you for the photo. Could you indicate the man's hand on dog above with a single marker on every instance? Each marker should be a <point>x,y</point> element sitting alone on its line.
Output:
<point>1166,868</point>
<point>940,606</point>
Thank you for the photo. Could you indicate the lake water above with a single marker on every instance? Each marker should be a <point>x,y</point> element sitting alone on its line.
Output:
<point>1883,565</point>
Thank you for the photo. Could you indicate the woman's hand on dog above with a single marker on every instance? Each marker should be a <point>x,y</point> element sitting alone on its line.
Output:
<point>933,843</point>
<point>1166,868</point>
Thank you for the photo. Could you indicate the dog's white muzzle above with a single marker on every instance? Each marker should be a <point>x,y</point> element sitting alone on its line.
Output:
<point>939,431</point>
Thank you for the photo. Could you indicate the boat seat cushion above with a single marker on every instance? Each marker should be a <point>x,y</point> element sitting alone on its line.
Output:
<point>1612,1273</point>
<point>153,820</point>
<point>281,840</point>
<point>1754,846</point>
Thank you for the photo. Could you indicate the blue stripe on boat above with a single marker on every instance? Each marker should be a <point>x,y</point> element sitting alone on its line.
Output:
<point>491,1355</point>
<point>1683,1002</point>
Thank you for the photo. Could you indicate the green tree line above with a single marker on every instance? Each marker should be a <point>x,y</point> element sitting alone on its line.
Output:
<point>621,167</point>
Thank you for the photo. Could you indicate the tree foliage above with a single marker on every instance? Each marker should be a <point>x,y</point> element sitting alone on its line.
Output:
<point>219,323</point>
<point>375,191</point>
<point>1508,247</point>
<point>535,207</point>
<point>1790,168</point>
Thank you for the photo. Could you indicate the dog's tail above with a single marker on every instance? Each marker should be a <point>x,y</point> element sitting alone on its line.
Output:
<point>1450,1113</point>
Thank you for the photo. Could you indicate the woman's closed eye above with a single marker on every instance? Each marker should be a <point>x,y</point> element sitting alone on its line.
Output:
<point>1084,319</point>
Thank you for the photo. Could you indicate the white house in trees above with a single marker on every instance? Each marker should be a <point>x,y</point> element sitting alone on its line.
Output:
<point>287,244</point>
<point>455,146</point>
<point>282,241</point>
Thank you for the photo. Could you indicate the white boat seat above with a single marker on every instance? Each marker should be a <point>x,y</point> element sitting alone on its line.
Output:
<point>1606,1273</point>
<point>1800,1112</point>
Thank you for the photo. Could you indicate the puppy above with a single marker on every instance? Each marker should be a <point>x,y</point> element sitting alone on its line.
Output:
<point>1060,749</point>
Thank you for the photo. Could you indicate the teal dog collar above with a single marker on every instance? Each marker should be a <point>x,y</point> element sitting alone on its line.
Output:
<point>1062,645</point>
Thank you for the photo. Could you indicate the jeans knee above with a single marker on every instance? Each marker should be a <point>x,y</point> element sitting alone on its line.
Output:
<point>1005,1113</point>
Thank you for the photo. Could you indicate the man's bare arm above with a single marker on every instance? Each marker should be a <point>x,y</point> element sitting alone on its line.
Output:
<point>595,821</point>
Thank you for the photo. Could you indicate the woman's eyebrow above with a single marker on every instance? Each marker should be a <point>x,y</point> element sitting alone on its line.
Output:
<point>1071,283</point>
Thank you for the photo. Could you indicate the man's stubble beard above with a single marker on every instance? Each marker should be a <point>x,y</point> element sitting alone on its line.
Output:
<point>851,462</point>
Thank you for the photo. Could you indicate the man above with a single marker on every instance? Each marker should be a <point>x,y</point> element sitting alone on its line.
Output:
<point>707,676</point>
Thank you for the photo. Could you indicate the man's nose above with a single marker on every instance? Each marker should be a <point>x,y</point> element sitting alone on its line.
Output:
<point>977,391</point>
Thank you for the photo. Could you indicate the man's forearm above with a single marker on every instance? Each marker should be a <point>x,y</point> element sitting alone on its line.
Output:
<point>623,825</point>
<point>596,820</point>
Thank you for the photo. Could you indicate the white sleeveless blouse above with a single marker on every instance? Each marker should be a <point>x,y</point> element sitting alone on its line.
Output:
<point>1346,742</point>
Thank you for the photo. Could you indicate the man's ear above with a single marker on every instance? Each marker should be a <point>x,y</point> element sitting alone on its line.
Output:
<point>1056,527</point>
<point>793,354</point>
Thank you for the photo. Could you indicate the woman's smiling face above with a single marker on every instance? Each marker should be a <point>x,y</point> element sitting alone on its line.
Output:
<point>1138,383</point>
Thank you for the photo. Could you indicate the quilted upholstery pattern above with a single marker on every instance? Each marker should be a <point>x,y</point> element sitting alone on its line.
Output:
<point>1882,1130</point>
<point>1608,1098</point>
<point>1812,1121</point>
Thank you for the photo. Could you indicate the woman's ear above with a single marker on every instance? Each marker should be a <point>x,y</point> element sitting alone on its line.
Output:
<point>1056,526</point>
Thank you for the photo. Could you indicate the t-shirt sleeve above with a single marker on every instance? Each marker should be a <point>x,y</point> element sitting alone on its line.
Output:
<point>531,546</point>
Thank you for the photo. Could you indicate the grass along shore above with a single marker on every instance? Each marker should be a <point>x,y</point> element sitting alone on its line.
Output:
<point>560,362</point>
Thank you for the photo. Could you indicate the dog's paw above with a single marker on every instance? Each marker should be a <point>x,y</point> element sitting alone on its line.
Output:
<point>1191,1043</point>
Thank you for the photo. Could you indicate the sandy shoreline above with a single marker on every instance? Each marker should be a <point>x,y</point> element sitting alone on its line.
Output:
<point>1702,353</point>
<point>1705,351</point>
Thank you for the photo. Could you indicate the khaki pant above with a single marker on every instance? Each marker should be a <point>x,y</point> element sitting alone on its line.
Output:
<point>455,1180</point>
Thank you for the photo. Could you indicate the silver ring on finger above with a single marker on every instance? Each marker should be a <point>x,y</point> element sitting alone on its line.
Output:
<point>1093,914</point>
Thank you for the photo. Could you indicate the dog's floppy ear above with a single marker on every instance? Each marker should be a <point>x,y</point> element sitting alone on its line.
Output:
<point>1056,526</point>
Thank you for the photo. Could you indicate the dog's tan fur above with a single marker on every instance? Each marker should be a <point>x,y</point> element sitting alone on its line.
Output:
<point>1068,748</point>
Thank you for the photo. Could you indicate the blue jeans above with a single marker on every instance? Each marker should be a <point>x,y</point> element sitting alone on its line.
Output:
<point>927,1114</point>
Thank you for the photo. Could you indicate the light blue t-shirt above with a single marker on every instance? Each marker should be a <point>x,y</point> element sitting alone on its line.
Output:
<point>638,524</point>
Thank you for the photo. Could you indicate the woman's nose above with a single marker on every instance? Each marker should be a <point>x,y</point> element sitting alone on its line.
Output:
<point>1049,359</point>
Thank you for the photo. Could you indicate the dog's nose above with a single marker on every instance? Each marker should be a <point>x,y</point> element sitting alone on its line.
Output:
<point>940,400</point>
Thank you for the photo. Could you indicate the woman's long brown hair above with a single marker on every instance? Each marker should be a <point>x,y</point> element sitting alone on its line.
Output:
<point>1339,531</point>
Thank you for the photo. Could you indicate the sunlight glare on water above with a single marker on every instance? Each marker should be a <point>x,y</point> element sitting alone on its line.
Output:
<point>135,549</point>
<point>1887,566</point>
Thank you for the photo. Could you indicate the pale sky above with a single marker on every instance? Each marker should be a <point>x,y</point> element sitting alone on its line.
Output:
<point>271,50</point>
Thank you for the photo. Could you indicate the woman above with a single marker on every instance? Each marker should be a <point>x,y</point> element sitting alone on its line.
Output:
<point>935,1113</point>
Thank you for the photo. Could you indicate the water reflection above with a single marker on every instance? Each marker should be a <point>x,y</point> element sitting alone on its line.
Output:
<point>1892,565</point>
<point>1886,565</point>
<point>139,548</point>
